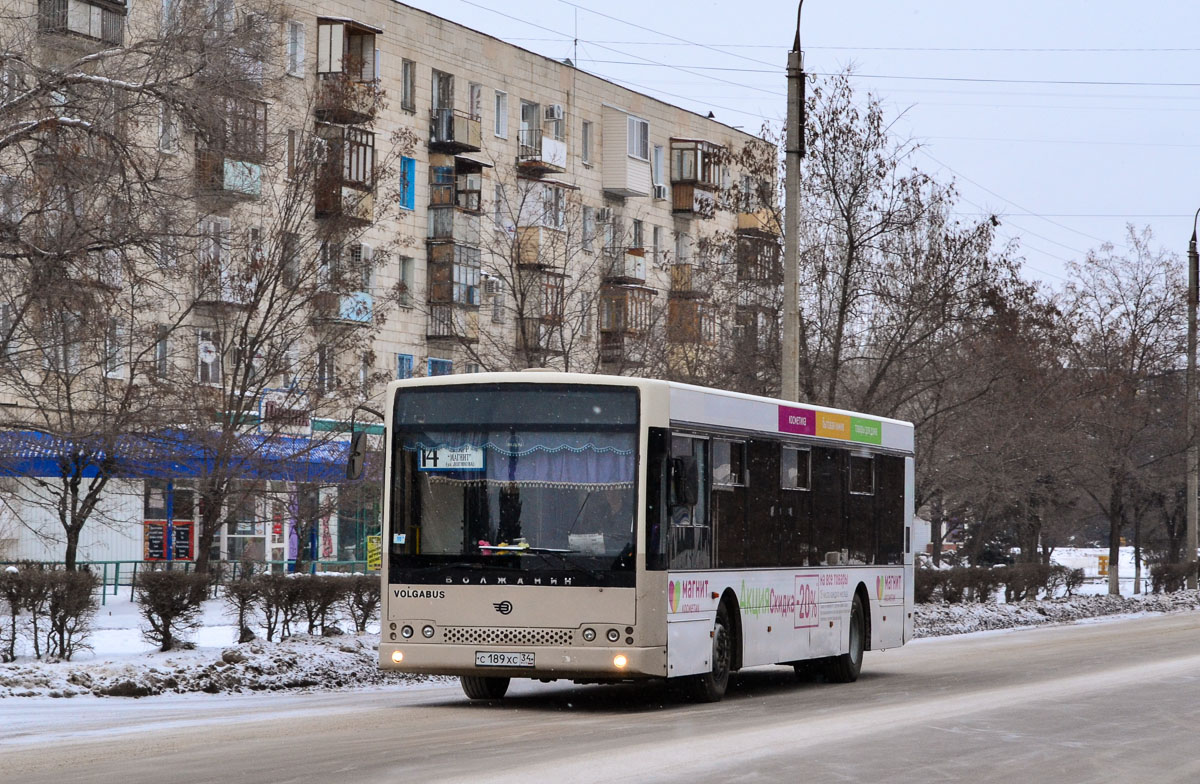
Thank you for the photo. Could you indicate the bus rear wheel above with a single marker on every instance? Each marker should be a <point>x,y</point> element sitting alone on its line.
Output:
<point>846,667</point>
<point>480,688</point>
<point>710,687</point>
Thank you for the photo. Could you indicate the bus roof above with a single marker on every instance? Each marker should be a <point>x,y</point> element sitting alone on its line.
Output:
<point>704,406</point>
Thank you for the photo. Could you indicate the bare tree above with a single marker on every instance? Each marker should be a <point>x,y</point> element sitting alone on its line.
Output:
<point>1129,323</point>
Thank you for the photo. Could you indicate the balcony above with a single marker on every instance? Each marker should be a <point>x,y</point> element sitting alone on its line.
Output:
<point>690,321</point>
<point>99,21</point>
<point>454,132</point>
<point>221,289</point>
<point>763,221</point>
<point>345,182</point>
<point>342,99</point>
<point>625,265</point>
<point>354,308</point>
<point>463,191</point>
<point>758,259</point>
<point>218,174</point>
<point>538,154</point>
<point>539,336</point>
<point>450,224</point>
<point>685,281</point>
<point>541,247</point>
<point>689,198</point>
<point>346,203</point>
<point>450,322</point>
<point>696,176</point>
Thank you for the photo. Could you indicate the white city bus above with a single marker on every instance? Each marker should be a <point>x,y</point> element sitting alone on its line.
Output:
<point>602,528</point>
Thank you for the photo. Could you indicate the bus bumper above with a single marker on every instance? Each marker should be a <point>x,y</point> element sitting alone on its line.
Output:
<point>549,662</point>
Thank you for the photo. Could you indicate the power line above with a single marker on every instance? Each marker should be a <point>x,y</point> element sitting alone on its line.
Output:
<point>922,151</point>
<point>996,49</point>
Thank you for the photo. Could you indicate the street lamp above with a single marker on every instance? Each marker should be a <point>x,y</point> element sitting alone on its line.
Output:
<point>1193,457</point>
<point>794,147</point>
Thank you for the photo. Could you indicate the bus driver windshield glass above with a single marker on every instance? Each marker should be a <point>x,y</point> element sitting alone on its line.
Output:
<point>534,484</point>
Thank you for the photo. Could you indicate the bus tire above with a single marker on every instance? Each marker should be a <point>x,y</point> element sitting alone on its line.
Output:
<point>710,687</point>
<point>845,668</point>
<point>480,688</point>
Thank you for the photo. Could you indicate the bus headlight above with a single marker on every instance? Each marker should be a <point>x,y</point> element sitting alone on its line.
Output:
<point>427,630</point>
<point>406,632</point>
<point>397,657</point>
<point>613,635</point>
<point>589,634</point>
<point>619,661</point>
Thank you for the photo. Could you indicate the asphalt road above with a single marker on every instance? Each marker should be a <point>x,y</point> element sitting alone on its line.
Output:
<point>1115,701</point>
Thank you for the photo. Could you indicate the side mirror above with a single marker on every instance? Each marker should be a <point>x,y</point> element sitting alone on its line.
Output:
<point>685,481</point>
<point>358,455</point>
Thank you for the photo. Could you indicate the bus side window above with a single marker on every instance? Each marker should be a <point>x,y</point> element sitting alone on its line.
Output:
<point>690,536</point>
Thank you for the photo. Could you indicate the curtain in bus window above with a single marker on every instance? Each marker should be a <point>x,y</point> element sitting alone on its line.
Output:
<point>531,459</point>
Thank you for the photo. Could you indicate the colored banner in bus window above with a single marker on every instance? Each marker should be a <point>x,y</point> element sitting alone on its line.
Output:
<point>800,421</point>
<point>451,458</point>
<point>865,431</point>
<point>833,426</point>
<point>804,422</point>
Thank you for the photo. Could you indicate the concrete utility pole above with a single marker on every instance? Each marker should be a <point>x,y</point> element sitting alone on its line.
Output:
<point>1193,456</point>
<point>794,145</point>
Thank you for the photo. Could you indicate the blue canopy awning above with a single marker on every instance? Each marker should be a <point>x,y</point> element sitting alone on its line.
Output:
<point>174,454</point>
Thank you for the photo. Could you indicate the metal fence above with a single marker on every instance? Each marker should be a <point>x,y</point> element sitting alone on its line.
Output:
<point>115,574</point>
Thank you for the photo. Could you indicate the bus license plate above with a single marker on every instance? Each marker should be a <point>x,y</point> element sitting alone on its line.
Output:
<point>498,659</point>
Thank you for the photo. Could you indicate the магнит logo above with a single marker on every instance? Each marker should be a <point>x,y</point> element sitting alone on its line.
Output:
<point>673,589</point>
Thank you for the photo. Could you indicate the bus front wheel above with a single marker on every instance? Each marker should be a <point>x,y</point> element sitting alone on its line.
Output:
<point>845,668</point>
<point>710,687</point>
<point>480,688</point>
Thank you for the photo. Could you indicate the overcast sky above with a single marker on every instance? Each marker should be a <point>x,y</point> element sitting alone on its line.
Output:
<point>1068,119</point>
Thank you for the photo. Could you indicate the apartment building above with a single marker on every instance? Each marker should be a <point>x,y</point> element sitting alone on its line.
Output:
<point>483,207</point>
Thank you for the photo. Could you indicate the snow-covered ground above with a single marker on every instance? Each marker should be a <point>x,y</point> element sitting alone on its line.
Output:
<point>121,663</point>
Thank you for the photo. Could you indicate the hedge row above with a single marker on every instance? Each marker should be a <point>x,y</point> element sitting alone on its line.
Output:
<point>278,604</point>
<point>980,583</point>
<point>53,609</point>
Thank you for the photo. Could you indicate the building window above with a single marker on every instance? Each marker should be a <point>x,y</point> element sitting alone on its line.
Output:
<point>114,350</point>
<point>466,275</point>
<point>585,142</point>
<point>408,183</point>
<point>862,475</point>
<point>683,248</point>
<point>657,166</point>
<point>408,85</point>
<point>657,250</point>
<point>637,239</point>
<point>475,100</point>
<point>473,367</point>
<point>406,282</point>
<point>295,48</point>
<point>439,367</point>
<point>795,468</point>
<point>639,138</point>
<point>501,125</point>
<point>404,366</point>
<point>588,240</point>
<point>326,369</point>
<point>208,357</point>
<point>162,349</point>
<point>168,130</point>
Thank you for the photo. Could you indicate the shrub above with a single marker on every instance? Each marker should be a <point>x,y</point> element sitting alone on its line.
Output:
<point>170,602</point>
<point>280,600</point>
<point>70,607</point>
<point>1169,577</point>
<point>318,595</point>
<point>12,595</point>
<point>926,581</point>
<point>954,584</point>
<point>362,599</point>
<point>1023,581</point>
<point>243,596</point>
<point>983,582</point>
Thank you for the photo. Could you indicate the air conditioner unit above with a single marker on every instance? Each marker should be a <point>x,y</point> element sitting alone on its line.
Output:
<point>554,111</point>
<point>660,191</point>
<point>492,287</point>
<point>604,215</point>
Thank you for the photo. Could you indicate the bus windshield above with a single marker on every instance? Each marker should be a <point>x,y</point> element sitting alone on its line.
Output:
<point>532,483</point>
